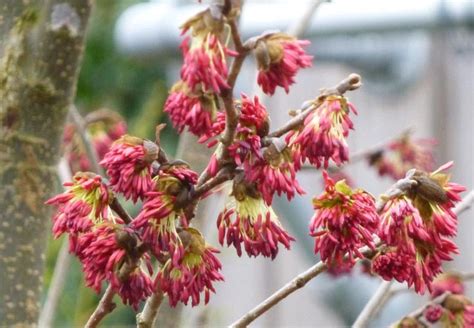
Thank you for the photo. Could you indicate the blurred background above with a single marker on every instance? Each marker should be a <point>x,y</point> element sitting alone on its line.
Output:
<point>416,59</point>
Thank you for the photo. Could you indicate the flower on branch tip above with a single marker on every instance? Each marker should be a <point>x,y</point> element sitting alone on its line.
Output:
<point>249,220</point>
<point>128,165</point>
<point>194,273</point>
<point>279,58</point>
<point>435,197</point>
<point>84,204</point>
<point>403,154</point>
<point>323,135</point>
<point>205,66</point>
<point>160,215</point>
<point>459,312</point>
<point>344,221</point>
<point>193,109</point>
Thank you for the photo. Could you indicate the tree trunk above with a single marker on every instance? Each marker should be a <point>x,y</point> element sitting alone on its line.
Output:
<point>41,48</point>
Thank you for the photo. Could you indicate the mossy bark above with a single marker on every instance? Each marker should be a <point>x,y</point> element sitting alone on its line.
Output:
<point>41,48</point>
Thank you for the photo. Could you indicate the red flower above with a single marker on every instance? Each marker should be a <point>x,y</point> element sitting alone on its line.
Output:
<point>196,110</point>
<point>102,258</point>
<point>401,224</point>
<point>136,288</point>
<point>274,173</point>
<point>255,225</point>
<point>344,221</point>
<point>128,165</point>
<point>84,204</point>
<point>159,217</point>
<point>402,155</point>
<point>279,58</point>
<point>323,134</point>
<point>193,274</point>
<point>204,64</point>
<point>433,313</point>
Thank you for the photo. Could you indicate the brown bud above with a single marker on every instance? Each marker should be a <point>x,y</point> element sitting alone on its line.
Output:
<point>428,188</point>
<point>126,241</point>
<point>455,303</point>
<point>262,56</point>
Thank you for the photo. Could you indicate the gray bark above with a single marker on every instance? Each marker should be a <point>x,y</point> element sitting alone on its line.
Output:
<point>41,48</point>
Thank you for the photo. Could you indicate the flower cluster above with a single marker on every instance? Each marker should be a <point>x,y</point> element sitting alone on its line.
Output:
<point>192,101</point>
<point>193,274</point>
<point>415,227</point>
<point>160,215</point>
<point>249,220</point>
<point>279,57</point>
<point>102,257</point>
<point>104,127</point>
<point>128,165</point>
<point>323,135</point>
<point>84,204</point>
<point>403,154</point>
<point>344,220</point>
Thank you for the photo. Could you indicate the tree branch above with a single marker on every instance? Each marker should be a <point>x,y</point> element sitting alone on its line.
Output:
<point>302,24</point>
<point>105,306</point>
<point>369,311</point>
<point>146,319</point>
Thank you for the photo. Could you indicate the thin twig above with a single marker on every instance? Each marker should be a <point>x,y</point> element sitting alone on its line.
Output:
<point>465,204</point>
<point>296,283</point>
<point>105,306</point>
<point>81,129</point>
<point>374,303</point>
<point>120,210</point>
<point>300,27</point>
<point>147,317</point>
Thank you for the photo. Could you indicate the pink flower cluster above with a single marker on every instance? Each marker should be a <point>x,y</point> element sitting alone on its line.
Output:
<point>159,217</point>
<point>193,274</point>
<point>403,154</point>
<point>192,101</point>
<point>344,221</point>
<point>128,165</point>
<point>279,58</point>
<point>323,135</point>
<point>251,221</point>
<point>415,229</point>
<point>84,204</point>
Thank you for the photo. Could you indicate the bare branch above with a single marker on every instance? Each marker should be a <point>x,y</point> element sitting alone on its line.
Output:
<point>370,309</point>
<point>81,130</point>
<point>105,306</point>
<point>302,24</point>
<point>147,317</point>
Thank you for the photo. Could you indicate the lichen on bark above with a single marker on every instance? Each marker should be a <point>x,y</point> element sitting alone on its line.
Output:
<point>41,49</point>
